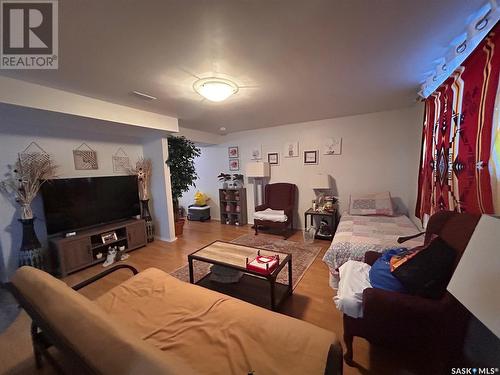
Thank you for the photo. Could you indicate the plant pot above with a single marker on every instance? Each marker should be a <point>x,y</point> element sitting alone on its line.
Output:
<point>179,227</point>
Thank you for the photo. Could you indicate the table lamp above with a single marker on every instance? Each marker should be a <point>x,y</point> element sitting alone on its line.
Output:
<point>259,171</point>
<point>476,281</point>
<point>320,182</point>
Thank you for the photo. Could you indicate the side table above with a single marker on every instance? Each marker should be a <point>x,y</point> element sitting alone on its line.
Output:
<point>331,217</point>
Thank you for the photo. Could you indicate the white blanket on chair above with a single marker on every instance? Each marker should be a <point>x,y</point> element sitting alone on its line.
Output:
<point>271,215</point>
<point>354,278</point>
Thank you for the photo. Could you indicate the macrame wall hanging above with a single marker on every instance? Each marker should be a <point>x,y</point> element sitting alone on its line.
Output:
<point>121,161</point>
<point>85,157</point>
<point>32,152</point>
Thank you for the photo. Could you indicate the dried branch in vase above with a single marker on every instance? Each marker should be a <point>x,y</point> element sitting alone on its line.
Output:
<point>23,181</point>
<point>143,168</point>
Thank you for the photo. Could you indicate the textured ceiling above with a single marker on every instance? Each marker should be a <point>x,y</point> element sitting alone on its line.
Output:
<point>295,60</point>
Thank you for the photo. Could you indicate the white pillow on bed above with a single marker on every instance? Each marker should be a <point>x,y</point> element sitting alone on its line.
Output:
<point>371,204</point>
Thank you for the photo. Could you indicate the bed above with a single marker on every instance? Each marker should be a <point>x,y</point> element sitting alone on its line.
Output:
<point>358,234</point>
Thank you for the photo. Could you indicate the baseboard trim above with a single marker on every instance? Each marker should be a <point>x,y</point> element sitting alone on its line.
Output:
<point>165,239</point>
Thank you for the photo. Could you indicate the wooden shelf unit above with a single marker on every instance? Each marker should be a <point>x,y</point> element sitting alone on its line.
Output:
<point>71,254</point>
<point>233,198</point>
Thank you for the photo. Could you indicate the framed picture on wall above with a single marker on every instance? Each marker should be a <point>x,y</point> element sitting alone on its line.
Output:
<point>273,158</point>
<point>332,146</point>
<point>234,164</point>
<point>310,157</point>
<point>233,152</point>
<point>291,150</point>
<point>257,152</point>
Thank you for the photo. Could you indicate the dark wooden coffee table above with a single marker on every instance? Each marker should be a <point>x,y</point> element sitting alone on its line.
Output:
<point>252,286</point>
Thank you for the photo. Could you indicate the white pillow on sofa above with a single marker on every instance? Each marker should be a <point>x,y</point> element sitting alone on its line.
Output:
<point>371,204</point>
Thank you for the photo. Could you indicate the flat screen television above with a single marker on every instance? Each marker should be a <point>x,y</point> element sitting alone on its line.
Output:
<point>71,204</point>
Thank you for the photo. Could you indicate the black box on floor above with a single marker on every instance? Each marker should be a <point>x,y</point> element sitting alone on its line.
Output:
<point>198,213</point>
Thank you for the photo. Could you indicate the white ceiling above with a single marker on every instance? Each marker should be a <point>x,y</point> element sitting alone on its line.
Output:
<point>297,60</point>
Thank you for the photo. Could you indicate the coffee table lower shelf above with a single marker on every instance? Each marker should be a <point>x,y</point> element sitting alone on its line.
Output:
<point>250,289</point>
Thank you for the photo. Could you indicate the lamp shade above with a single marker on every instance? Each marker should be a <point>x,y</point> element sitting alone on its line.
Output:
<point>320,181</point>
<point>476,281</point>
<point>258,169</point>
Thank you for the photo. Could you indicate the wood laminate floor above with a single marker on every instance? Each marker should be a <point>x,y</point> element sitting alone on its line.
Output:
<point>311,301</point>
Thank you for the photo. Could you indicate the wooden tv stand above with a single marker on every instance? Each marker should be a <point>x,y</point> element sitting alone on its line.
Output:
<point>74,253</point>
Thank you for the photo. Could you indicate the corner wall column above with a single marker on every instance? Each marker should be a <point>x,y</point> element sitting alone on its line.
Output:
<point>161,192</point>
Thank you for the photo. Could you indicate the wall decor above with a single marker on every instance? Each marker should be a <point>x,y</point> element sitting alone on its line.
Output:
<point>233,152</point>
<point>332,146</point>
<point>121,161</point>
<point>310,157</point>
<point>291,149</point>
<point>85,159</point>
<point>257,152</point>
<point>460,151</point>
<point>234,164</point>
<point>32,155</point>
<point>273,158</point>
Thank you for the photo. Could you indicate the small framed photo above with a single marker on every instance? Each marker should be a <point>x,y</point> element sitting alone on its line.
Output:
<point>108,237</point>
<point>234,164</point>
<point>257,152</point>
<point>332,146</point>
<point>311,157</point>
<point>233,152</point>
<point>273,158</point>
<point>291,149</point>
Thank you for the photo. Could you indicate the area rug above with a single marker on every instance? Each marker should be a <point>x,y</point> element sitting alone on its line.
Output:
<point>302,257</point>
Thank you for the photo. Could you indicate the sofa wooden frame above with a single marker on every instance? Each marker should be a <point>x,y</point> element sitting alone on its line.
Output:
<point>43,336</point>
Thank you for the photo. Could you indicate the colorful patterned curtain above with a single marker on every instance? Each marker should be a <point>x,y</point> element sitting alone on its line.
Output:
<point>460,160</point>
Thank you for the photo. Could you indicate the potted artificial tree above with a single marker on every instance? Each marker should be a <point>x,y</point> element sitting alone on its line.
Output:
<point>181,155</point>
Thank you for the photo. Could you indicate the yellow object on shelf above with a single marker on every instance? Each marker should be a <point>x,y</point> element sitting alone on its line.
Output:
<point>200,199</point>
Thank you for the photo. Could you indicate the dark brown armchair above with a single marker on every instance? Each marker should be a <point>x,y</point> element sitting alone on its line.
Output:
<point>392,318</point>
<point>279,196</point>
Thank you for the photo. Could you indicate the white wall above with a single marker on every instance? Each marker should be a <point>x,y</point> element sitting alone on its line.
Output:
<point>380,151</point>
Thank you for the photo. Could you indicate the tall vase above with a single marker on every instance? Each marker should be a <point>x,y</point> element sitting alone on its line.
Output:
<point>146,215</point>
<point>31,253</point>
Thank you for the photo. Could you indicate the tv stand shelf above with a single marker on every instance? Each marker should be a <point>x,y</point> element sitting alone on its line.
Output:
<point>71,254</point>
<point>98,245</point>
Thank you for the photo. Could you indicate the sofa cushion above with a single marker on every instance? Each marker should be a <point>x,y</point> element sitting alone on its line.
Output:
<point>106,346</point>
<point>215,333</point>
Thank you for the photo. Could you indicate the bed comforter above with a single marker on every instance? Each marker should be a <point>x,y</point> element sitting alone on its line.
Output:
<point>356,235</point>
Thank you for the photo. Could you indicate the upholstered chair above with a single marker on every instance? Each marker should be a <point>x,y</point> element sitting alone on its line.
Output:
<point>411,321</point>
<point>277,197</point>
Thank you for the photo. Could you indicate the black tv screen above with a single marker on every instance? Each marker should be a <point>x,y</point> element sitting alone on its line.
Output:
<point>76,203</point>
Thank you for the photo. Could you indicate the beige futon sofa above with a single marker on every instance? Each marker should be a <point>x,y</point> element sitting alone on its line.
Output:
<point>155,324</point>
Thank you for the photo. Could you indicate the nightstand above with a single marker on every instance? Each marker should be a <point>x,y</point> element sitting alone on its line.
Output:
<point>331,217</point>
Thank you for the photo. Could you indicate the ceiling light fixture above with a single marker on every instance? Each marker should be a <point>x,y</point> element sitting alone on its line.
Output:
<point>215,89</point>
